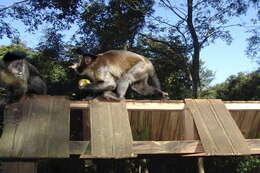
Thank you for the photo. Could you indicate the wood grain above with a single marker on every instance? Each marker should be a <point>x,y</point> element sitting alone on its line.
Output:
<point>37,127</point>
<point>218,132</point>
<point>110,130</point>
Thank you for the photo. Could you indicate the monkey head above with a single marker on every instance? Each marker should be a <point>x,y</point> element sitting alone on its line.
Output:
<point>84,60</point>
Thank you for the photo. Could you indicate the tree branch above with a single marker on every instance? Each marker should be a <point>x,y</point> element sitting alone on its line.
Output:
<point>159,41</point>
<point>176,27</point>
<point>168,5</point>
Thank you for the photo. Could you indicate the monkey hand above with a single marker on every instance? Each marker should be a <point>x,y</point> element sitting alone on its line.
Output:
<point>165,96</point>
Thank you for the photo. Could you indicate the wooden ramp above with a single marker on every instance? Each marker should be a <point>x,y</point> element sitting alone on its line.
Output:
<point>37,127</point>
<point>217,130</point>
<point>111,135</point>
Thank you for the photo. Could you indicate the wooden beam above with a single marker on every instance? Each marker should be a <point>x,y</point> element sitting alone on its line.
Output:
<point>186,148</point>
<point>169,105</point>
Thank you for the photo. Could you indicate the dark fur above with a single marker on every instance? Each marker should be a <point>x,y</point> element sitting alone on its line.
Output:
<point>23,77</point>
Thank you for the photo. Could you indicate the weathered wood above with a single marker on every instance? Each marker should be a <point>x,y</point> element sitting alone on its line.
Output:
<point>248,123</point>
<point>156,125</point>
<point>36,127</point>
<point>19,167</point>
<point>189,130</point>
<point>110,130</point>
<point>217,130</point>
<point>79,148</point>
<point>86,124</point>
<point>187,148</point>
<point>170,105</point>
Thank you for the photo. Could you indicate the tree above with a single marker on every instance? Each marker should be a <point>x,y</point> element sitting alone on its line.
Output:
<point>252,26</point>
<point>112,25</point>
<point>198,23</point>
<point>32,13</point>
<point>239,87</point>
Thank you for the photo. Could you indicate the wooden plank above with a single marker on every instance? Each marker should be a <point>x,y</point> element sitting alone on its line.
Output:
<point>58,133</point>
<point>191,147</point>
<point>123,139</point>
<point>101,130</point>
<point>170,105</point>
<point>236,139</point>
<point>110,130</point>
<point>217,130</point>
<point>189,130</point>
<point>36,127</point>
<point>86,125</point>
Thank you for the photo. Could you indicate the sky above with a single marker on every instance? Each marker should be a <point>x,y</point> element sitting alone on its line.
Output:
<point>223,59</point>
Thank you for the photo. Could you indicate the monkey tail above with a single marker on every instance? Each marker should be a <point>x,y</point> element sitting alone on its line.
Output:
<point>155,80</point>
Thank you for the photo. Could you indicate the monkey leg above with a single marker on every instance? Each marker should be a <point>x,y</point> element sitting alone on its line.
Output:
<point>109,95</point>
<point>136,73</point>
<point>107,85</point>
<point>142,87</point>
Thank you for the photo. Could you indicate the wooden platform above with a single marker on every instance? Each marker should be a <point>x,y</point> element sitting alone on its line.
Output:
<point>39,128</point>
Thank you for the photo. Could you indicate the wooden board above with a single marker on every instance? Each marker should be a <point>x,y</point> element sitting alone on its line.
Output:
<point>248,123</point>
<point>37,127</point>
<point>187,148</point>
<point>156,125</point>
<point>110,130</point>
<point>218,131</point>
<point>173,105</point>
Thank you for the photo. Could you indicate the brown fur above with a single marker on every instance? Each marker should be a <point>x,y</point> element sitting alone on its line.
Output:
<point>117,70</point>
<point>119,61</point>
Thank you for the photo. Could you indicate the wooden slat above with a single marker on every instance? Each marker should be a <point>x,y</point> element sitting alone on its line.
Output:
<point>189,130</point>
<point>110,130</point>
<point>191,147</point>
<point>170,105</point>
<point>218,132</point>
<point>36,127</point>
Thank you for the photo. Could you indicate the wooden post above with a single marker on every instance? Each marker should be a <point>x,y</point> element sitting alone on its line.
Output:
<point>200,162</point>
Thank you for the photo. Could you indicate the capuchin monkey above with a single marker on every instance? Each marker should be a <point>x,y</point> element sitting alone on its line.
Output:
<point>116,70</point>
<point>20,77</point>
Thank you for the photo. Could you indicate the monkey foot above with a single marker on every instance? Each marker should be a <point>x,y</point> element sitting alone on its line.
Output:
<point>110,96</point>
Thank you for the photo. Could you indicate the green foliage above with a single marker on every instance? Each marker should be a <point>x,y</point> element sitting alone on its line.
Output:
<point>239,87</point>
<point>33,13</point>
<point>238,164</point>
<point>112,25</point>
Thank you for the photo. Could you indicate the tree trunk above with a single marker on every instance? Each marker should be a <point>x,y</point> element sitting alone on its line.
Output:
<point>195,66</point>
<point>196,51</point>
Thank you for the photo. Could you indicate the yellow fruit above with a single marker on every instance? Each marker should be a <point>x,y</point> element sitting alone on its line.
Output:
<point>84,82</point>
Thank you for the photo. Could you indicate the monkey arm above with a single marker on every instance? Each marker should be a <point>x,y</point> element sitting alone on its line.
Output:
<point>33,70</point>
<point>100,86</point>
